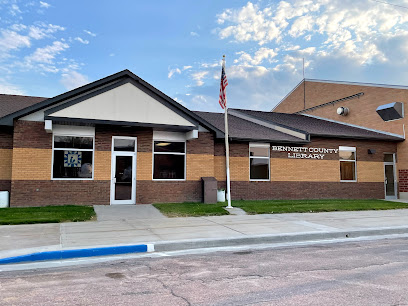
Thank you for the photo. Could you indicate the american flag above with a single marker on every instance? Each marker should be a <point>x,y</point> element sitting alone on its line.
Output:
<point>224,83</point>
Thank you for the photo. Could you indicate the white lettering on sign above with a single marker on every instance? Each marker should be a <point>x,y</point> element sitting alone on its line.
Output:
<point>305,152</point>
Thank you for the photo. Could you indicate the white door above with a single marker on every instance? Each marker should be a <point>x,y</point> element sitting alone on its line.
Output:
<point>390,178</point>
<point>123,178</point>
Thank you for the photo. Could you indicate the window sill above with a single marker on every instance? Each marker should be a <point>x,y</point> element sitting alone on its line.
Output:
<point>348,181</point>
<point>259,180</point>
<point>72,179</point>
<point>169,180</point>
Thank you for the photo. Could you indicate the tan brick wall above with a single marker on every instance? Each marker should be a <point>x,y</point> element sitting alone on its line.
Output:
<point>305,170</point>
<point>144,166</point>
<point>219,168</point>
<point>31,164</point>
<point>6,157</point>
<point>199,165</point>
<point>102,165</point>
<point>370,171</point>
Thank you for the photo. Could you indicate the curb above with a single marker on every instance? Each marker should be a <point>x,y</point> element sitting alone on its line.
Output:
<point>180,245</point>
<point>77,253</point>
<point>167,246</point>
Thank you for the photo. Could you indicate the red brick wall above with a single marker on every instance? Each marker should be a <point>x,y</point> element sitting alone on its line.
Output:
<point>304,190</point>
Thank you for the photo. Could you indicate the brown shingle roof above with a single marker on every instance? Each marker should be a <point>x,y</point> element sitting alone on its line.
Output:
<point>319,127</point>
<point>241,129</point>
<point>12,103</point>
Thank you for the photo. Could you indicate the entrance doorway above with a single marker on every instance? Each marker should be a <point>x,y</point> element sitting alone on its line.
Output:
<point>390,181</point>
<point>123,177</point>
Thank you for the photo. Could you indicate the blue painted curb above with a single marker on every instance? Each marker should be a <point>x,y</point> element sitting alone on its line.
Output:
<point>66,254</point>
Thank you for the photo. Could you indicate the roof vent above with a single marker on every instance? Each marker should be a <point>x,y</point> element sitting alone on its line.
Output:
<point>391,111</point>
<point>343,111</point>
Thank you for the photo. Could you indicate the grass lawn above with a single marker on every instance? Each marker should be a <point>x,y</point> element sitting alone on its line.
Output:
<point>46,214</point>
<point>299,206</point>
<point>191,209</point>
<point>276,207</point>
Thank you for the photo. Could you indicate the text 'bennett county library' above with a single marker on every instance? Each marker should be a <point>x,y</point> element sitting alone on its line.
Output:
<point>119,140</point>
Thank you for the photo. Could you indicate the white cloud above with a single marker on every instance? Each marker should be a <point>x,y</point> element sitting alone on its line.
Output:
<point>82,41</point>
<point>173,71</point>
<point>43,30</point>
<point>48,53</point>
<point>199,76</point>
<point>10,89</point>
<point>90,33</point>
<point>14,10</point>
<point>194,34</point>
<point>260,55</point>
<point>73,79</point>
<point>187,67</point>
<point>44,4</point>
<point>11,40</point>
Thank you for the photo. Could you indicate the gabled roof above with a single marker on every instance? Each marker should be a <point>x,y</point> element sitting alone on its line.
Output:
<point>13,103</point>
<point>321,127</point>
<point>244,130</point>
<point>99,85</point>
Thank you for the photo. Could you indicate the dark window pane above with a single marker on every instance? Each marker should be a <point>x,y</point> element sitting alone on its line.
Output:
<point>124,145</point>
<point>168,166</point>
<point>389,157</point>
<point>164,146</point>
<point>256,151</point>
<point>72,164</point>
<point>350,155</point>
<point>123,175</point>
<point>347,171</point>
<point>73,142</point>
<point>259,169</point>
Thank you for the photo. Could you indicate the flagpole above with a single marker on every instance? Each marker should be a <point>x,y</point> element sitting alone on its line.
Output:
<point>227,147</point>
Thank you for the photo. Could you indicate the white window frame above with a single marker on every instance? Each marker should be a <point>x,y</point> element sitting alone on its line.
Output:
<point>170,153</point>
<point>260,145</point>
<point>67,134</point>
<point>354,149</point>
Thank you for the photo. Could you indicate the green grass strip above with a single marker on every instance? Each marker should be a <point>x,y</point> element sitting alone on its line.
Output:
<point>191,209</point>
<point>46,214</point>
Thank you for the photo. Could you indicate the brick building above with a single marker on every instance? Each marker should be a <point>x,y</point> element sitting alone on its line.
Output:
<point>119,140</point>
<point>322,99</point>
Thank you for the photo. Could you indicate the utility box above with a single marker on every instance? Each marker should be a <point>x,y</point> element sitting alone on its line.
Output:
<point>209,190</point>
<point>4,199</point>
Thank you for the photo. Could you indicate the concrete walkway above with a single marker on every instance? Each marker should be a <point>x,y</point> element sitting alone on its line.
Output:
<point>23,239</point>
<point>127,212</point>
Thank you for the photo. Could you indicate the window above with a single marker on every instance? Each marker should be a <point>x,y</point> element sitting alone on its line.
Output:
<point>169,160</point>
<point>259,162</point>
<point>73,157</point>
<point>347,157</point>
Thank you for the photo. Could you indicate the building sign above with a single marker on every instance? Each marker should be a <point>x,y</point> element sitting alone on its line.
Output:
<point>72,159</point>
<point>305,152</point>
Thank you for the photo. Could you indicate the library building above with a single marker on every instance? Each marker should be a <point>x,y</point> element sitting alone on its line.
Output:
<point>119,140</point>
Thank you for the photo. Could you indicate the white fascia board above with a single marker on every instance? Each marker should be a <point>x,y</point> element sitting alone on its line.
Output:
<point>169,136</point>
<point>356,126</point>
<point>343,148</point>
<point>259,145</point>
<point>270,125</point>
<point>73,130</point>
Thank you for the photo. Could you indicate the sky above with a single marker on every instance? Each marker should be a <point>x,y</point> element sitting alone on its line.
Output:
<point>49,47</point>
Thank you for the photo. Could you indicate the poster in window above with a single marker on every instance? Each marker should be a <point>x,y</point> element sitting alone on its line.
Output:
<point>72,159</point>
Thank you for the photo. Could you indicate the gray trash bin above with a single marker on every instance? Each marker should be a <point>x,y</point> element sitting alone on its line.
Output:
<point>209,190</point>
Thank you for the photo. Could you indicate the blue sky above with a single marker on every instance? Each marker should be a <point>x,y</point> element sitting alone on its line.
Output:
<point>48,47</point>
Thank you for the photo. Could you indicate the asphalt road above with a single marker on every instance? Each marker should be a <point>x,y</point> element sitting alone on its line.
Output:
<point>364,273</point>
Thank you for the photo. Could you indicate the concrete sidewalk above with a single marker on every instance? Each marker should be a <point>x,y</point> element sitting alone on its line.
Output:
<point>23,239</point>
